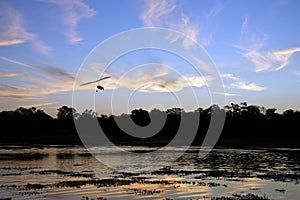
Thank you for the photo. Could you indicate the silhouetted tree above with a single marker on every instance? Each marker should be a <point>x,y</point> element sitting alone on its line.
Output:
<point>157,112</point>
<point>236,109</point>
<point>88,114</point>
<point>200,110</point>
<point>174,112</point>
<point>288,113</point>
<point>244,124</point>
<point>270,113</point>
<point>207,111</point>
<point>140,117</point>
<point>67,113</point>
<point>251,111</point>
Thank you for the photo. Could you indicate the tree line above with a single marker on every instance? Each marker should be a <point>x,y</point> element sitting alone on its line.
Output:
<point>244,125</point>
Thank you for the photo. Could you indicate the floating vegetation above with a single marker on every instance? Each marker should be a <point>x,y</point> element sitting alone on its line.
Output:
<point>19,168</point>
<point>30,193</point>
<point>78,164</point>
<point>22,156</point>
<point>231,175</point>
<point>11,174</point>
<point>205,173</point>
<point>215,178</point>
<point>279,176</point>
<point>109,182</point>
<point>35,186</point>
<point>242,197</point>
<point>140,191</point>
<point>65,155</point>
<point>97,198</point>
<point>85,174</point>
<point>280,190</point>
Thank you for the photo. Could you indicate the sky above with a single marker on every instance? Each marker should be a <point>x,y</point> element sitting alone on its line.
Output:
<point>254,45</point>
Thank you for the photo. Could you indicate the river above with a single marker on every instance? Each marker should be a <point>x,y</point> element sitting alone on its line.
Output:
<point>72,172</point>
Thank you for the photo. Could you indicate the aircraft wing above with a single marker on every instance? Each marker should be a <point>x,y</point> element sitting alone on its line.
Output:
<point>95,81</point>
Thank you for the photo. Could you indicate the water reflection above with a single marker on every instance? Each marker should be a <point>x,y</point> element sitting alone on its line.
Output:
<point>66,172</point>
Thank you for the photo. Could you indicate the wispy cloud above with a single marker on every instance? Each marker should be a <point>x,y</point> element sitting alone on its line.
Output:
<point>12,31</point>
<point>246,86</point>
<point>15,97</point>
<point>231,94</point>
<point>38,104</point>
<point>211,14</point>
<point>18,63</point>
<point>10,74</point>
<point>188,28</point>
<point>245,27</point>
<point>59,74</point>
<point>164,13</point>
<point>73,12</point>
<point>33,89</point>
<point>44,81</point>
<point>20,90</point>
<point>238,83</point>
<point>151,78</point>
<point>164,83</point>
<point>11,93</point>
<point>155,11</point>
<point>6,41</point>
<point>228,94</point>
<point>254,50</point>
<point>270,60</point>
<point>229,76</point>
<point>251,38</point>
<point>52,71</point>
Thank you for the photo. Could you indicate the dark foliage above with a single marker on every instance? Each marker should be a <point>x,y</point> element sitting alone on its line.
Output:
<point>245,125</point>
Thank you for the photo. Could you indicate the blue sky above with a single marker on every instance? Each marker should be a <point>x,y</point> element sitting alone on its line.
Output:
<point>255,46</point>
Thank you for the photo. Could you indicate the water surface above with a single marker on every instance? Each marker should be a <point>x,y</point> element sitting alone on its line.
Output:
<point>71,172</point>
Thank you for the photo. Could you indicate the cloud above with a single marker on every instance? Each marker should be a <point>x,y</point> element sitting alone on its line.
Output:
<point>14,97</point>
<point>263,60</point>
<point>246,86</point>
<point>33,88</point>
<point>214,11</point>
<point>155,11</point>
<point>251,40</point>
<point>10,74</point>
<point>231,94</point>
<point>189,29</point>
<point>202,65</point>
<point>227,94</point>
<point>166,13</point>
<point>229,76</point>
<point>11,93</point>
<point>59,74</point>
<point>12,31</point>
<point>163,13</point>
<point>44,81</point>
<point>270,60</point>
<point>245,26</point>
<point>5,90</point>
<point>164,83</point>
<point>6,41</point>
<point>18,62</point>
<point>38,104</point>
<point>153,77</point>
<point>238,83</point>
<point>73,12</point>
